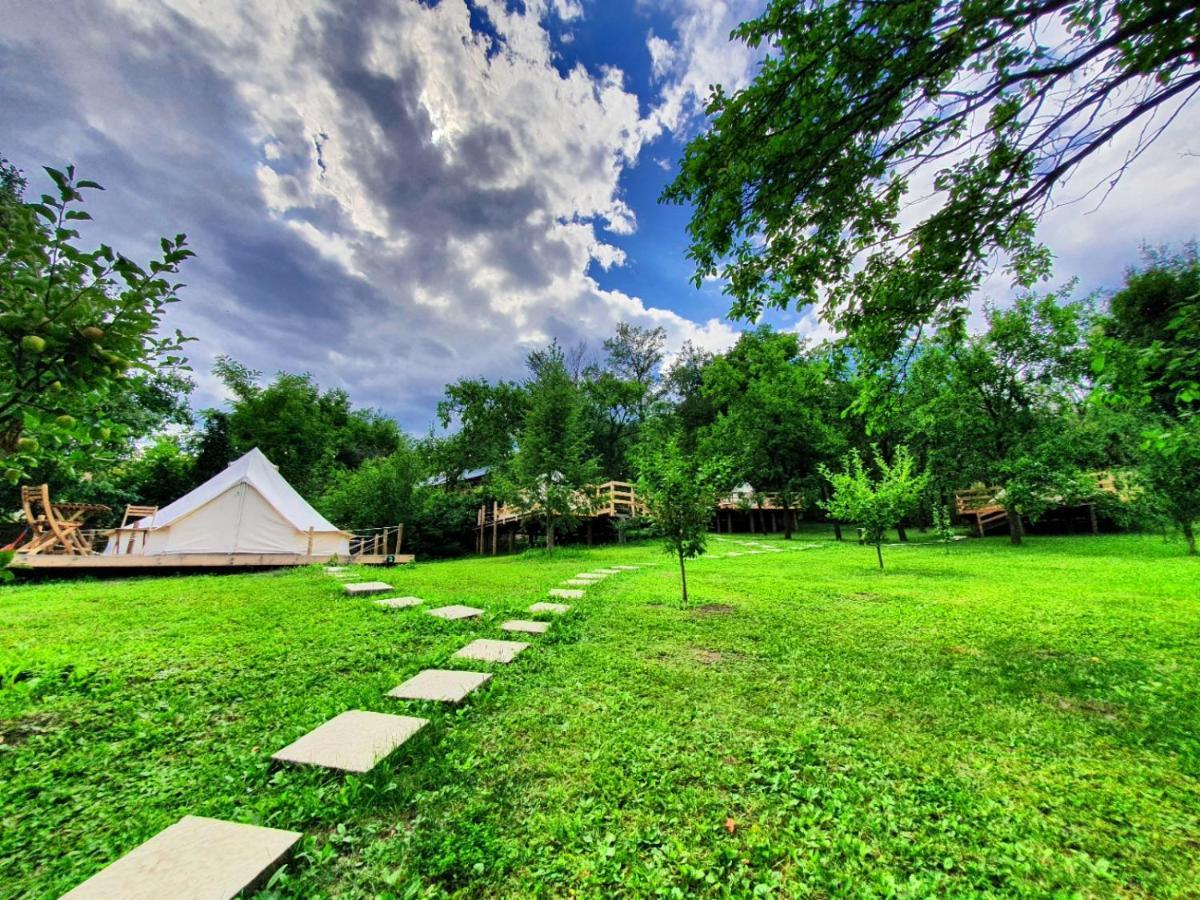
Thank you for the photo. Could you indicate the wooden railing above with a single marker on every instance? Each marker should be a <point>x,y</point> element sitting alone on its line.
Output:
<point>985,504</point>
<point>751,501</point>
<point>616,499</point>
<point>376,541</point>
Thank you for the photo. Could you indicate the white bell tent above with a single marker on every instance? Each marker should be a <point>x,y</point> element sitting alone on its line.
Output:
<point>248,508</point>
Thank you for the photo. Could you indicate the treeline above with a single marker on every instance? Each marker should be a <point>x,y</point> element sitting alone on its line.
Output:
<point>1048,391</point>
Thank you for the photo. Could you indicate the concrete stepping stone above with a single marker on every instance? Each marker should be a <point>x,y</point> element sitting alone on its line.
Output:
<point>608,571</point>
<point>733,553</point>
<point>549,608</point>
<point>566,594</point>
<point>529,626</point>
<point>591,576</point>
<point>334,570</point>
<point>366,588</point>
<point>354,741</point>
<point>580,582</point>
<point>399,602</point>
<point>195,857</point>
<point>446,685</point>
<point>491,651</point>
<point>626,568</point>
<point>457,611</point>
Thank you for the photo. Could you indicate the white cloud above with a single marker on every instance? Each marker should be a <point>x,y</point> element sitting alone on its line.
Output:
<point>379,195</point>
<point>701,57</point>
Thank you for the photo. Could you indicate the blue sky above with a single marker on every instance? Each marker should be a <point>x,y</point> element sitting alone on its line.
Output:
<point>392,194</point>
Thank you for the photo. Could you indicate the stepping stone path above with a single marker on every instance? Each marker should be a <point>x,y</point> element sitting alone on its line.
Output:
<point>558,608</point>
<point>446,685</point>
<point>366,588</point>
<point>491,651</point>
<point>399,602</point>
<point>526,625</point>
<point>354,741</point>
<point>195,857</point>
<point>217,860</point>
<point>458,611</point>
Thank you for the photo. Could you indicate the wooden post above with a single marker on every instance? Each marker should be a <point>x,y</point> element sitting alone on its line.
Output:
<point>399,537</point>
<point>495,525</point>
<point>773,525</point>
<point>310,541</point>
<point>589,532</point>
<point>1092,516</point>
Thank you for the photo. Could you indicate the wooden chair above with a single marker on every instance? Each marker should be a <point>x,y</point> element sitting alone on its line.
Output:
<point>134,514</point>
<point>55,526</point>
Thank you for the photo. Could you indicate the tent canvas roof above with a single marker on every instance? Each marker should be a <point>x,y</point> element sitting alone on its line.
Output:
<point>257,471</point>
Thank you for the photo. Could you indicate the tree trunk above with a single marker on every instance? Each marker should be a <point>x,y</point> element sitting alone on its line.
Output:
<point>901,533</point>
<point>1189,535</point>
<point>787,521</point>
<point>683,580</point>
<point>549,536</point>
<point>1014,527</point>
<point>762,521</point>
<point>837,528</point>
<point>879,553</point>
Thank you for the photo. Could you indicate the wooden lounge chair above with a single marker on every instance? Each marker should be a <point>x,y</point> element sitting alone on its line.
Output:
<point>55,526</point>
<point>128,532</point>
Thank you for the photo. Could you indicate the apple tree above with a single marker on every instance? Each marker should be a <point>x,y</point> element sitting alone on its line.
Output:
<point>79,328</point>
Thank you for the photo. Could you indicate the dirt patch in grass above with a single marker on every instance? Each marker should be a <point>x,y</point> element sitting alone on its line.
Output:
<point>960,650</point>
<point>709,657</point>
<point>17,731</point>
<point>714,609</point>
<point>869,596</point>
<point>1094,707</point>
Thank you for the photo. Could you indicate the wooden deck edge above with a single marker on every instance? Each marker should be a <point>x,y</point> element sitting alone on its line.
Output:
<point>195,561</point>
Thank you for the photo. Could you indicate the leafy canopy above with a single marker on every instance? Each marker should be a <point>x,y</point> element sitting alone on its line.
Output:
<point>804,184</point>
<point>679,489</point>
<point>79,329</point>
<point>309,433</point>
<point>1148,361</point>
<point>772,420</point>
<point>552,468</point>
<point>874,504</point>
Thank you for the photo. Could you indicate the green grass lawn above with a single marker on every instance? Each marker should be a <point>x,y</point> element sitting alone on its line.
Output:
<point>996,720</point>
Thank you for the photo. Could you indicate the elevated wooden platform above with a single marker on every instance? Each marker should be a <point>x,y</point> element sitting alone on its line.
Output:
<point>610,500</point>
<point>39,561</point>
<point>983,506</point>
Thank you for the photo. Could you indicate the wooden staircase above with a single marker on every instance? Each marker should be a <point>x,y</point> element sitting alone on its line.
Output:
<point>980,504</point>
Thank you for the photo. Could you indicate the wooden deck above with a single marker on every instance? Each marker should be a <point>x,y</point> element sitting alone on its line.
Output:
<point>614,499</point>
<point>983,506</point>
<point>39,561</point>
